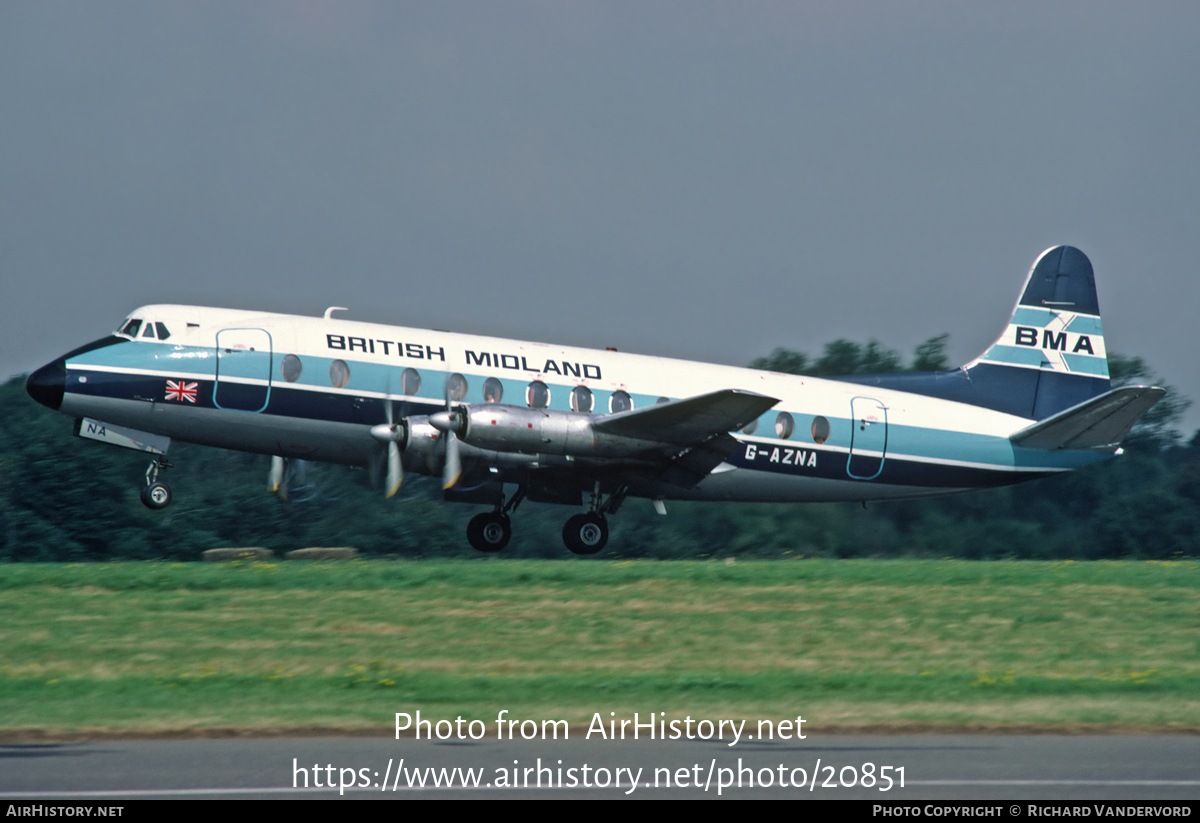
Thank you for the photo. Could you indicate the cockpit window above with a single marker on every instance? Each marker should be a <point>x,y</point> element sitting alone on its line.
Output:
<point>132,328</point>
<point>163,334</point>
<point>149,331</point>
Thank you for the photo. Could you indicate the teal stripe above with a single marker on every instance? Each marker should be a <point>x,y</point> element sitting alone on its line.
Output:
<point>1082,364</point>
<point>1015,354</point>
<point>175,359</point>
<point>1025,316</point>
<point>374,377</point>
<point>1085,324</point>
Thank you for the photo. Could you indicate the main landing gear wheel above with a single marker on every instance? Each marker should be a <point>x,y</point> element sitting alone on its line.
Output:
<point>156,495</point>
<point>586,533</point>
<point>489,532</point>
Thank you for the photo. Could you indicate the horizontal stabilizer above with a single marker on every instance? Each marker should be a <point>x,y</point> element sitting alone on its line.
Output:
<point>689,421</point>
<point>1100,423</point>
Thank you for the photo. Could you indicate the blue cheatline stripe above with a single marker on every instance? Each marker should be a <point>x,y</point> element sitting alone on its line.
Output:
<point>906,444</point>
<point>798,460</point>
<point>381,378</point>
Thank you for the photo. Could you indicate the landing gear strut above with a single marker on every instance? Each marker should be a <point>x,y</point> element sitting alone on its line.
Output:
<point>587,533</point>
<point>156,495</point>
<point>491,531</point>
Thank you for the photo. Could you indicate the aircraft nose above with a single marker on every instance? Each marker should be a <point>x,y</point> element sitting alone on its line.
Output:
<point>47,384</point>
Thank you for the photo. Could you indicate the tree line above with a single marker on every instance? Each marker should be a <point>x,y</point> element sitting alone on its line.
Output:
<point>66,499</point>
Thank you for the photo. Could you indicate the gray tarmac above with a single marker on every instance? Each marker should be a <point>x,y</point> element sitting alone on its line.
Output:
<point>935,767</point>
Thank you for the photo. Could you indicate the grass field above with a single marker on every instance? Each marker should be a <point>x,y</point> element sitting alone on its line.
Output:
<point>148,648</point>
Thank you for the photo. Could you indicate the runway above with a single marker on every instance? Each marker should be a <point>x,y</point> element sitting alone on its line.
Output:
<point>931,767</point>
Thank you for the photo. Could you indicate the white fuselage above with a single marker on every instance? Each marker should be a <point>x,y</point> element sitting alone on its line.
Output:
<point>312,388</point>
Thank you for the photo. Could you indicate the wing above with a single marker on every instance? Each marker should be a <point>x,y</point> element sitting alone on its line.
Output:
<point>1100,423</point>
<point>688,421</point>
<point>697,426</point>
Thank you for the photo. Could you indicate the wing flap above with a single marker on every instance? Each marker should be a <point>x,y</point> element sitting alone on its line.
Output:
<point>689,421</point>
<point>1100,423</point>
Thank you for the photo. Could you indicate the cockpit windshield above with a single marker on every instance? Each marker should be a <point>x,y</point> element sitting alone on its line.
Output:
<point>149,329</point>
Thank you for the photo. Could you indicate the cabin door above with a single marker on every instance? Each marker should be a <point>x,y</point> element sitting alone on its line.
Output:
<point>243,370</point>
<point>868,443</point>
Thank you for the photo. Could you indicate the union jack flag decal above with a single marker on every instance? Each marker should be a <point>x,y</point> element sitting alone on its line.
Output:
<point>180,391</point>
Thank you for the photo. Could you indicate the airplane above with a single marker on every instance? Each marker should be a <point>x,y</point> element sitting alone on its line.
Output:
<point>502,421</point>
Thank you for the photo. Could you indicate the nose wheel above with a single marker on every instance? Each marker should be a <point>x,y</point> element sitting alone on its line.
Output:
<point>586,533</point>
<point>156,494</point>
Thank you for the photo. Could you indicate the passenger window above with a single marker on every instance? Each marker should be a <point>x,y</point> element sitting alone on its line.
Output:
<point>820,430</point>
<point>148,331</point>
<point>750,427</point>
<point>784,425</point>
<point>291,368</point>
<point>662,400</point>
<point>163,334</point>
<point>339,374</point>
<point>537,395</point>
<point>620,401</point>
<point>132,328</point>
<point>581,399</point>
<point>410,382</point>
<point>456,387</point>
<point>493,390</point>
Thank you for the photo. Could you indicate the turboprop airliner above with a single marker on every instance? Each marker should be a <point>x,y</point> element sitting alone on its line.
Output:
<point>502,421</point>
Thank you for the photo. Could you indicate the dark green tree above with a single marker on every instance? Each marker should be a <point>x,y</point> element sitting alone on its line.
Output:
<point>931,355</point>
<point>783,360</point>
<point>1160,427</point>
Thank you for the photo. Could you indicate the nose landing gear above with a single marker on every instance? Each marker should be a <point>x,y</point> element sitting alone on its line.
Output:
<point>156,495</point>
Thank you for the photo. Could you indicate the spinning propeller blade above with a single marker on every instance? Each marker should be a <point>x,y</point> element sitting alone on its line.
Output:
<point>391,432</point>
<point>395,467</point>
<point>452,469</point>
<point>449,422</point>
<point>275,480</point>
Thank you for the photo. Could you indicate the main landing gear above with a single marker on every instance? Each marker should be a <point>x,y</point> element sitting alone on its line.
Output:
<point>588,533</point>
<point>583,534</point>
<point>490,532</point>
<point>156,495</point>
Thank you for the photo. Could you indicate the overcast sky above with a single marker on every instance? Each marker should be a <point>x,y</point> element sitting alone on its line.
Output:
<point>689,179</point>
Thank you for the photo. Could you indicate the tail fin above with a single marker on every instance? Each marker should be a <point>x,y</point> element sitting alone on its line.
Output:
<point>1049,359</point>
<point>1051,356</point>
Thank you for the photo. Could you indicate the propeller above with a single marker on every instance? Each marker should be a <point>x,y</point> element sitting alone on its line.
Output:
<point>450,422</point>
<point>276,477</point>
<point>285,473</point>
<point>392,432</point>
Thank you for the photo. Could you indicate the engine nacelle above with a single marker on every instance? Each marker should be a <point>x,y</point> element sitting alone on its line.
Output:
<point>502,428</point>
<point>424,449</point>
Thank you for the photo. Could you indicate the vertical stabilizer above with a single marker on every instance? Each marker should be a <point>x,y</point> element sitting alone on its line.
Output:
<point>1051,356</point>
